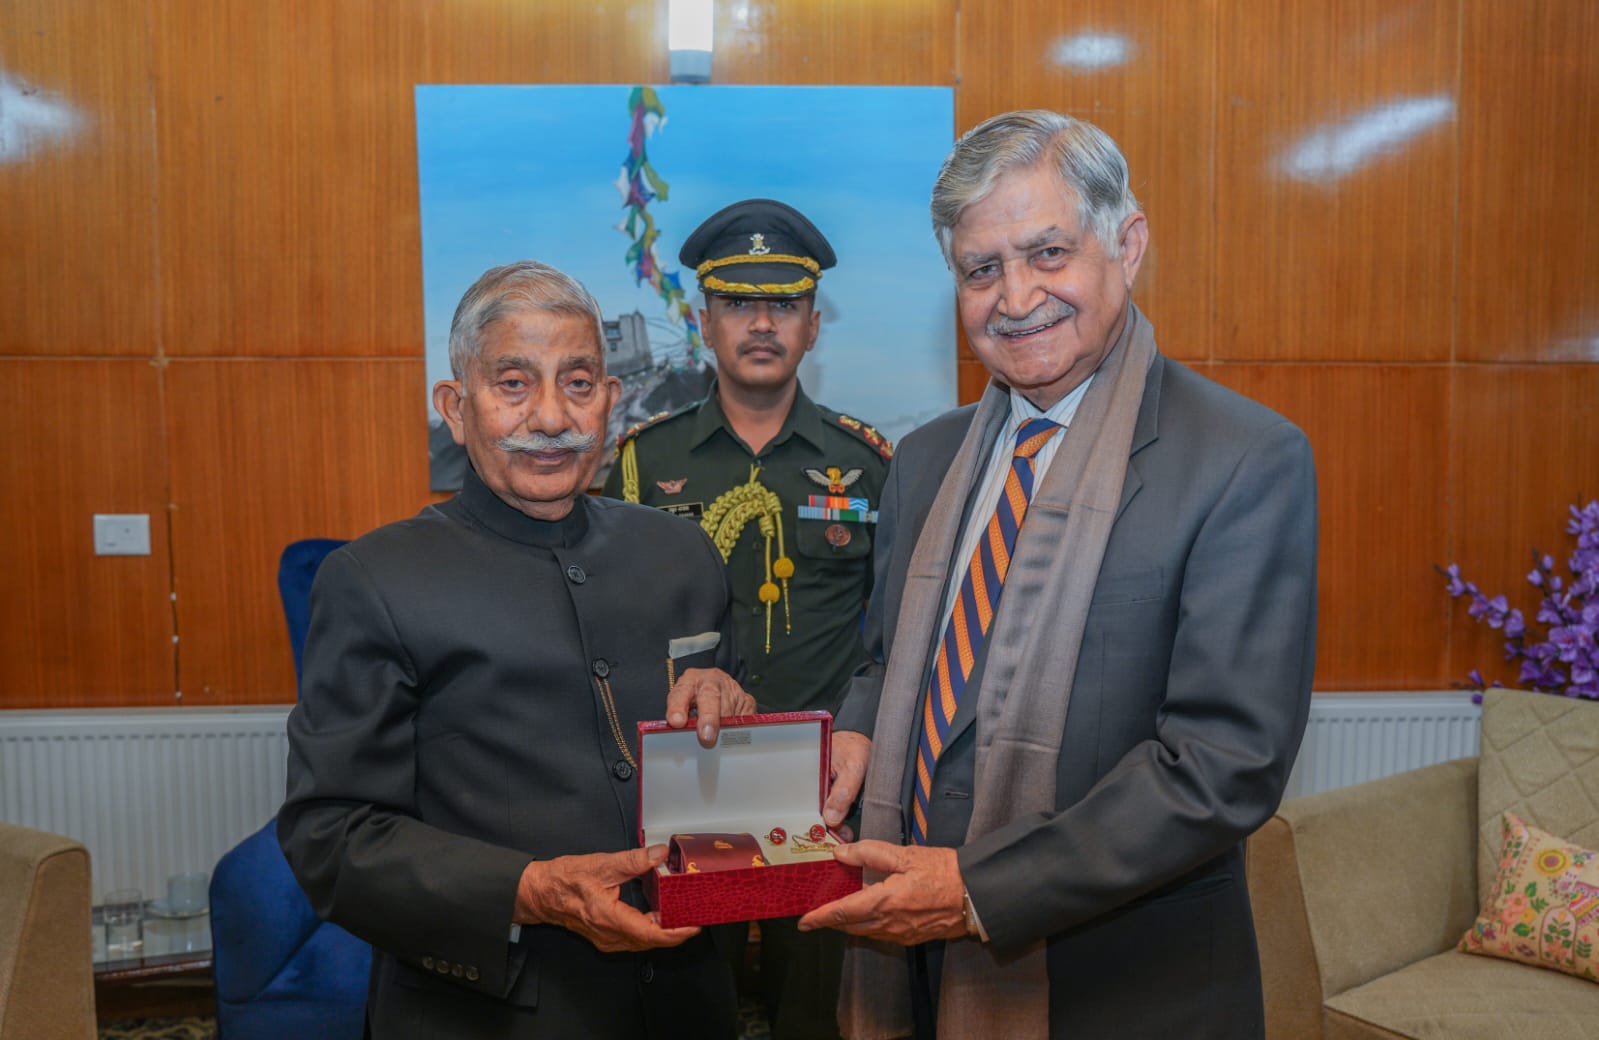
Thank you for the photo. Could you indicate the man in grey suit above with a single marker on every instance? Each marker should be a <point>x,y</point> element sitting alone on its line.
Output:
<point>462,790</point>
<point>1094,625</point>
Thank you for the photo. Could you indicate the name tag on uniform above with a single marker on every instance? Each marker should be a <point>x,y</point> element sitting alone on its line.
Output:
<point>692,510</point>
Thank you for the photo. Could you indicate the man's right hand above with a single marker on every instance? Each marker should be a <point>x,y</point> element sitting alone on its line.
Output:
<point>580,894</point>
<point>850,754</point>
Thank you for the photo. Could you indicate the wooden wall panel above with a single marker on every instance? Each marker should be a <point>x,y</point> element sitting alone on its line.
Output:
<point>1144,72</point>
<point>1335,180</point>
<point>1381,443</point>
<point>77,240</point>
<point>80,630</point>
<point>886,42</point>
<point>242,198</point>
<point>971,379</point>
<point>288,149</point>
<point>1526,443</point>
<point>265,453</point>
<point>1529,255</point>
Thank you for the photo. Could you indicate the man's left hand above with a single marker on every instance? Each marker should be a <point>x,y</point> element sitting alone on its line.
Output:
<point>712,695</point>
<point>921,899</point>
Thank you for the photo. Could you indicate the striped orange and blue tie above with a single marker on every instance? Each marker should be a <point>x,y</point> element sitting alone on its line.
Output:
<point>974,612</point>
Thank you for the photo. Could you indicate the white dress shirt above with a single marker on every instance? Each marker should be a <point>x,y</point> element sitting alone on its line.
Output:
<point>992,483</point>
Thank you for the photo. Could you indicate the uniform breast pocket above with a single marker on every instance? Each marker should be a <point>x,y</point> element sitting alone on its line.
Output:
<point>833,539</point>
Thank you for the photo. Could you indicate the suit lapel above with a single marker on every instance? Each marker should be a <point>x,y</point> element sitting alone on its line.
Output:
<point>1145,433</point>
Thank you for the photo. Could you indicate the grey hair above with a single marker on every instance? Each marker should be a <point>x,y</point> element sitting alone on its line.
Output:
<point>525,285</point>
<point>1087,160</point>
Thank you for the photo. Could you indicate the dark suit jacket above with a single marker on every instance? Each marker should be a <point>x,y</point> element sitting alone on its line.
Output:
<point>1186,711</point>
<point>451,728</point>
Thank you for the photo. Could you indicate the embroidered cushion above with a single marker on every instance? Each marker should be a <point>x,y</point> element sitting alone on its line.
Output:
<point>1540,760</point>
<point>1543,908</point>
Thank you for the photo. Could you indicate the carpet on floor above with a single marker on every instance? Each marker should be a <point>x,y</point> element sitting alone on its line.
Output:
<point>752,1025</point>
<point>160,1029</point>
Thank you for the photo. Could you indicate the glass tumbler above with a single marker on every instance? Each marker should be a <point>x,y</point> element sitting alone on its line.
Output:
<point>123,913</point>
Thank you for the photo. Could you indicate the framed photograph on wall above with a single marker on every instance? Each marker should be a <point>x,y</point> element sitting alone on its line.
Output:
<point>605,182</point>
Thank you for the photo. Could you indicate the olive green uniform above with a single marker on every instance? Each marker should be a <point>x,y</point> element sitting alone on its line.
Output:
<point>686,462</point>
<point>690,459</point>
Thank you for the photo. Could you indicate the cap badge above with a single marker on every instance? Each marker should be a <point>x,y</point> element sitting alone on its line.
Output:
<point>672,487</point>
<point>834,479</point>
<point>758,246</point>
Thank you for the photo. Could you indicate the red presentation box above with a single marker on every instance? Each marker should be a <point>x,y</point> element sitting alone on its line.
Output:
<point>766,775</point>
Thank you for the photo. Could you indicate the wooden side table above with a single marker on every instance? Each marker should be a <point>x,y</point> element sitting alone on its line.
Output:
<point>168,985</point>
<point>171,979</point>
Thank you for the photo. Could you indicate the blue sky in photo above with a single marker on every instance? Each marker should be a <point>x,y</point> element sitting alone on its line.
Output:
<point>515,172</point>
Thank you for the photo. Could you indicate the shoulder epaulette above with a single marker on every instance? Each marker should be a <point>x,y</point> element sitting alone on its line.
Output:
<point>639,427</point>
<point>882,445</point>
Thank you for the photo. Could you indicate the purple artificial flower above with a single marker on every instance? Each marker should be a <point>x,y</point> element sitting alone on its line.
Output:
<point>1541,677</point>
<point>1585,519</point>
<point>1569,610</point>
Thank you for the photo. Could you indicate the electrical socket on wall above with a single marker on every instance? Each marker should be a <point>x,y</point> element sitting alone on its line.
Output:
<point>122,534</point>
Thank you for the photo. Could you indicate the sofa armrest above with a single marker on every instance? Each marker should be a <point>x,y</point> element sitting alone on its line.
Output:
<point>46,969</point>
<point>1290,981</point>
<point>1354,883</point>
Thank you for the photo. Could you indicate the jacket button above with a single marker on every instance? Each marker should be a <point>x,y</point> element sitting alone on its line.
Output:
<point>647,972</point>
<point>427,962</point>
<point>457,971</point>
<point>471,974</point>
<point>621,770</point>
<point>575,575</point>
<point>602,667</point>
<point>443,967</point>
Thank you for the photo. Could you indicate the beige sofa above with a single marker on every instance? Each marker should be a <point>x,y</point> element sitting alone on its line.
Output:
<point>46,969</point>
<point>1361,894</point>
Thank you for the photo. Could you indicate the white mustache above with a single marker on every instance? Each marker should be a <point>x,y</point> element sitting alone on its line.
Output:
<point>1044,314</point>
<point>532,443</point>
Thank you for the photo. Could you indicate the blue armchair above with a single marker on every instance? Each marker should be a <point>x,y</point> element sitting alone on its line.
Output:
<point>281,971</point>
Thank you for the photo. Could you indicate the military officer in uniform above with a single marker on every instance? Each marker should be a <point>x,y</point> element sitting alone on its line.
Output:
<point>788,490</point>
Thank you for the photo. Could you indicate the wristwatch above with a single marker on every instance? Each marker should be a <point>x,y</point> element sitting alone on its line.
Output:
<point>969,917</point>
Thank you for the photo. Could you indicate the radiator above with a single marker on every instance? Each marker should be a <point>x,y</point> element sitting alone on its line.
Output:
<point>1353,737</point>
<point>151,792</point>
<point>159,791</point>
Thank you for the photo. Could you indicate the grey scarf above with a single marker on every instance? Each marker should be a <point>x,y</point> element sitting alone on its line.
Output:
<point>1026,687</point>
